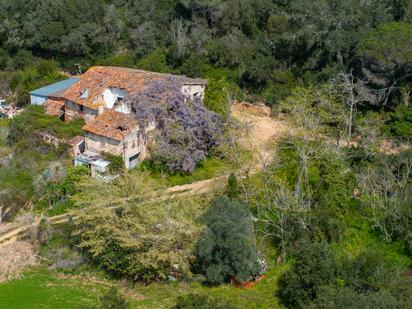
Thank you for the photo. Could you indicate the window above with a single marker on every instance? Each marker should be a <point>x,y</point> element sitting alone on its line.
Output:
<point>133,161</point>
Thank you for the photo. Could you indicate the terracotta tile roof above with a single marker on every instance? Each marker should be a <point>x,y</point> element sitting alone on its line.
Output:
<point>53,107</point>
<point>112,124</point>
<point>89,88</point>
<point>75,141</point>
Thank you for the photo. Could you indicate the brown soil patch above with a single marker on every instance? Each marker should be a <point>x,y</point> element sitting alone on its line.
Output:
<point>262,134</point>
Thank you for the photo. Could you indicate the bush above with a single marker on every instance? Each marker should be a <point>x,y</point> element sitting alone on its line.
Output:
<point>31,77</point>
<point>232,189</point>
<point>116,163</point>
<point>366,273</point>
<point>314,267</point>
<point>396,296</point>
<point>318,280</point>
<point>34,120</point>
<point>113,300</point>
<point>399,123</point>
<point>148,243</point>
<point>227,249</point>
<point>343,298</point>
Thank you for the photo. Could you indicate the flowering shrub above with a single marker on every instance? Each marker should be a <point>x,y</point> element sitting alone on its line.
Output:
<point>186,130</point>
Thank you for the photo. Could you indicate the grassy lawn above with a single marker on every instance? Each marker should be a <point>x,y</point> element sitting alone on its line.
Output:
<point>261,295</point>
<point>41,288</point>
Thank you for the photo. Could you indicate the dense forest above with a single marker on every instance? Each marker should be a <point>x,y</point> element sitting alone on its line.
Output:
<point>262,47</point>
<point>328,221</point>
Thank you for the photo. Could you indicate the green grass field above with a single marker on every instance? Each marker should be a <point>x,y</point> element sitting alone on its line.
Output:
<point>41,288</point>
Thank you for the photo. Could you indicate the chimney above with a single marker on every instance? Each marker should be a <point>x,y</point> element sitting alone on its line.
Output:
<point>100,110</point>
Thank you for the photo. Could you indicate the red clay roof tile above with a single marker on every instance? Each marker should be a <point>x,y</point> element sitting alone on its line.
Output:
<point>112,124</point>
<point>89,88</point>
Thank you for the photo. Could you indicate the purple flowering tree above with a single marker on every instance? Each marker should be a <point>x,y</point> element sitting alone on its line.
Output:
<point>186,130</point>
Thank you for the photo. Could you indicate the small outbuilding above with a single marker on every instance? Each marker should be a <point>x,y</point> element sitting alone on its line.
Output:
<point>53,91</point>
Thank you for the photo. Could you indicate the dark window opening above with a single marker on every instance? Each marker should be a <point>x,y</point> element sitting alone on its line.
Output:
<point>82,146</point>
<point>121,128</point>
<point>134,158</point>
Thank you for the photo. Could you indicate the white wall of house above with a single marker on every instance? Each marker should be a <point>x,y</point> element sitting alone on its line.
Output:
<point>190,91</point>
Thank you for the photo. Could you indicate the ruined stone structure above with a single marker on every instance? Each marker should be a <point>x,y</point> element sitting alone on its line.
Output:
<point>119,134</point>
<point>111,127</point>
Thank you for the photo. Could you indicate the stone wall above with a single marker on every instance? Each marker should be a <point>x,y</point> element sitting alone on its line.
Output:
<point>73,110</point>
<point>190,91</point>
<point>134,143</point>
<point>100,144</point>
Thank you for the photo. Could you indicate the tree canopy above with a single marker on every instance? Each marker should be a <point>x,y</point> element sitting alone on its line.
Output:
<point>227,248</point>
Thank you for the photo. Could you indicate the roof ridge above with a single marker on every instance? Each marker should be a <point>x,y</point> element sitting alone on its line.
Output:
<point>97,67</point>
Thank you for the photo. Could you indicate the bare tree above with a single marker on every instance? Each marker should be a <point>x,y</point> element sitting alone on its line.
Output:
<point>308,128</point>
<point>179,31</point>
<point>283,214</point>
<point>385,193</point>
<point>352,93</point>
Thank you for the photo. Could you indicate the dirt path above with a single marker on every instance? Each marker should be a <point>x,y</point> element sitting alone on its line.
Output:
<point>262,134</point>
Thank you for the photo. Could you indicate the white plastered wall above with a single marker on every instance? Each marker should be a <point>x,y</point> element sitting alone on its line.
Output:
<point>111,96</point>
<point>190,91</point>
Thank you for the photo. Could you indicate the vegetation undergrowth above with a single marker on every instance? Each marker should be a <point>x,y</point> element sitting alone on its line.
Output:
<point>209,168</point>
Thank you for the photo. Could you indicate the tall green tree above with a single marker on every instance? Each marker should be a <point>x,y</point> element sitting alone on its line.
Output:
<point>226,249</point>
<point>386,55</point>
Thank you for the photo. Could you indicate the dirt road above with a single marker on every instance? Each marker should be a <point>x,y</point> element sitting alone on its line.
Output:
<point>262,134</point>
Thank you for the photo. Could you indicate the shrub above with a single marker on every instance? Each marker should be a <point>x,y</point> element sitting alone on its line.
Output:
<point>150,242</point>
<point>341,298</point>
<point>31,77</point>
<point>116,163</point>
<point>33,121</point>
<point>399,123</point>
<point>227,248</point>
<point>113,300</point>
<point>216,96</point>
<point>314,267</point>
<point>232,189</point>
<point>318,280</point>
<point>367,272</point>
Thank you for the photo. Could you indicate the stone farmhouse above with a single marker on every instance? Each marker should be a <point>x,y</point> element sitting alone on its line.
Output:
<point>111,126</point>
